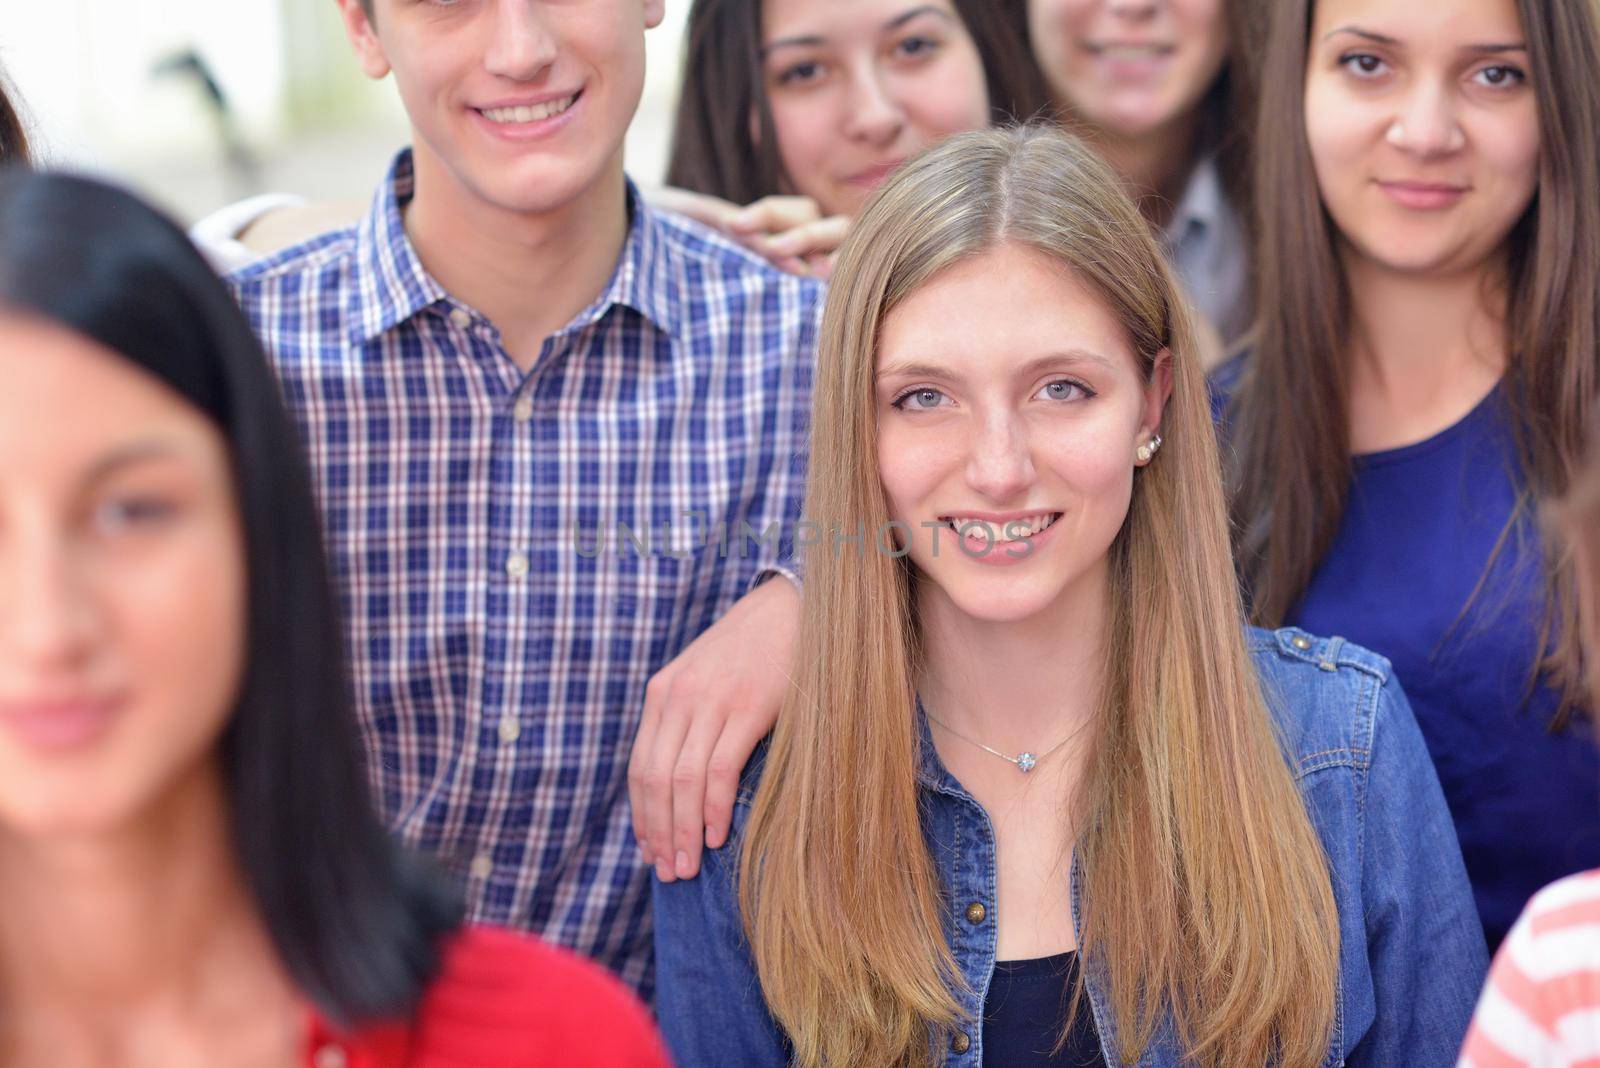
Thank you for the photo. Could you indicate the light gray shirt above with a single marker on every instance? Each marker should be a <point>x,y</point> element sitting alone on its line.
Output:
<point>1208,248</point>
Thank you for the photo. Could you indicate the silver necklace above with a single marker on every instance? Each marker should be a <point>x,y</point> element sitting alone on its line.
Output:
<point>1025,762</point>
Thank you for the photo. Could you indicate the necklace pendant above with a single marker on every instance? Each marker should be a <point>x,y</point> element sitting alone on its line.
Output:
<point>1025,762</point>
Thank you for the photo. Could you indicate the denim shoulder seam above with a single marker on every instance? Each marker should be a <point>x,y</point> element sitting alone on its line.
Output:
<point>1343,757</point>
<point>1365,735</point>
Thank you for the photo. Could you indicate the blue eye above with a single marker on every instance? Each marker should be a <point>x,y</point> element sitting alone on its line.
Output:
<point>922,399</point>
<point>1064,389</point>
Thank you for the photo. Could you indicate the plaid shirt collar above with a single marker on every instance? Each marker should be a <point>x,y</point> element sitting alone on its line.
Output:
<point>393,285</point>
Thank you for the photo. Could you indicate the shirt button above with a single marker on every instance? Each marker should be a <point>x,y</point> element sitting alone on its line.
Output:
<point>482,866</point>
<point>516,565</point>
<point>523,410</point>
<point>976,913</point>
<point>510,729</point>
<point>1301,642</point>
<point>461,317</point>
<point>329,1057</point>
<point>959,1042</point>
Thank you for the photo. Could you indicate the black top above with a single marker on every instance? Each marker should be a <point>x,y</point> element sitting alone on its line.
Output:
<point>1025,1010</point>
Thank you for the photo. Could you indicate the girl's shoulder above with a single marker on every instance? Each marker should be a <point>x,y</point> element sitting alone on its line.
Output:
<point>1328,697</point>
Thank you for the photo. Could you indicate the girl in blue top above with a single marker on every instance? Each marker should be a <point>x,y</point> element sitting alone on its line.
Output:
<point>1036,798</point>
<point>1424,364</point>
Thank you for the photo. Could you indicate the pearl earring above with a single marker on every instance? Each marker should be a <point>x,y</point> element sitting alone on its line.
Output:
<point>1146,452</point>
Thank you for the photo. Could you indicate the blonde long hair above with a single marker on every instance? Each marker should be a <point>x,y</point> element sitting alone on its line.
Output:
<point>1206,889</point>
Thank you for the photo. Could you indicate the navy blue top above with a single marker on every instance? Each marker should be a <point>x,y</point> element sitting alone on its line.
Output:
<point>1022,1016</point>
<point>1419,530</point>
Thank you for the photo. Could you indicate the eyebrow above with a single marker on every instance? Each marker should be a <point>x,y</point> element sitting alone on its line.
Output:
<point>130,456</point>
<point>1032,367</point>
<point>816,40</point>
<point>1378,38</point>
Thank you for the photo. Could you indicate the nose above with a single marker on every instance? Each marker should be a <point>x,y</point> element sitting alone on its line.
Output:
<point>523,47</point>
<point>1000,466</point>
<point>874,114</point>
<point>1426,124</point>
<point>47,614</point>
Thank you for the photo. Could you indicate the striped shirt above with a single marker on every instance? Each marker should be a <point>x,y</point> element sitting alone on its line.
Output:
<point>516,554</point>
<point>1541,1007</point>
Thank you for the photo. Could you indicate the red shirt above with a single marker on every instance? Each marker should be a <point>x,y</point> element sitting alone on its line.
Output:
<point>504,1000</point>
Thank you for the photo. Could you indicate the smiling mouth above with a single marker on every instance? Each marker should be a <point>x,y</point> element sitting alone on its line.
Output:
<point>875,176</point>
<point>1011,531</point>
<point>1130,51</point>
<point>526,113</point>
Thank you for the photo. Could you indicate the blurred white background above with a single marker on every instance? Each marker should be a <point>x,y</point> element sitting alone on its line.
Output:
<point>105,86</point>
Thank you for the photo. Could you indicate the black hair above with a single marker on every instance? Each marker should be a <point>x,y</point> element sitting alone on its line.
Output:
<point>714,149</point>
<point>13,137</point>
<point>356,919</point>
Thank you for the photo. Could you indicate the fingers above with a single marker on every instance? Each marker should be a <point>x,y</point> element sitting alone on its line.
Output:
<point>822,237</point>
<point>739,738</point>
<point>689,793</point>
<point>773,215</point>
<point>650,773</point>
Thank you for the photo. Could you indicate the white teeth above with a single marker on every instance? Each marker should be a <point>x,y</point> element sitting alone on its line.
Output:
<point>996,533</point>
<point>1131,51</point>
<point>529,113</point>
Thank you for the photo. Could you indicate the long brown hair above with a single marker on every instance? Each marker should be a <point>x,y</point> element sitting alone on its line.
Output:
<point>1227,106</point>
<point>13,138</point>
<point>1290,414</point>
<point>1206,892</point>
<point>1577,528</point>
<point>724,142</point>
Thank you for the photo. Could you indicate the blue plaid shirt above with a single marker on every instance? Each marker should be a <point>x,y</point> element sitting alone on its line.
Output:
<point>517,554</point>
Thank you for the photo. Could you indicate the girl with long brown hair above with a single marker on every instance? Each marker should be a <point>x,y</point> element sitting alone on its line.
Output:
<point>793,111</point>
<point>1037,797</point>
<point>1424,364</point>
<point>1163,89</point>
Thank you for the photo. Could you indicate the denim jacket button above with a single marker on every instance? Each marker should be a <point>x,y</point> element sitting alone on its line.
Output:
<point>976,913</point>
<point>1301,642</point>
<point>959,1042</point>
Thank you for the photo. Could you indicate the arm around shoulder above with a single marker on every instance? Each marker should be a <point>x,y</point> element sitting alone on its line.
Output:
<point>1425,945</point>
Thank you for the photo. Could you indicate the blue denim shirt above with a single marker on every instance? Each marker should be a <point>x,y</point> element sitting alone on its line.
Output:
<point>1412,954</point>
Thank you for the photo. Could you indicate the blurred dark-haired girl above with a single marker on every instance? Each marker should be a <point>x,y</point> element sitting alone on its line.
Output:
<point>191,872</point>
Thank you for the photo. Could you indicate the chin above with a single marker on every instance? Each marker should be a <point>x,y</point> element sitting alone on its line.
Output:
<point>1137,118</point>
<point>1420,256</point>
<point>999,603</point>
<point>50,813</point>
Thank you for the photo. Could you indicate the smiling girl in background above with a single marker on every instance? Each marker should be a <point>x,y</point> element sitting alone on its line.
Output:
<point>793,111</point>
<point>1162,90</point>
<point>1425,363</point>
<point>1044,801</point>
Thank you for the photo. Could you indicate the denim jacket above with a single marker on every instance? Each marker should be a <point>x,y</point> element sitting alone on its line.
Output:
<point>1412,954</point>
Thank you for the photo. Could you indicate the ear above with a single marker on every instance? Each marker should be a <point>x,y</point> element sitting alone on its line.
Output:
<point>1156,394</point>
<point>363,38</point>
<point>654,12</point>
